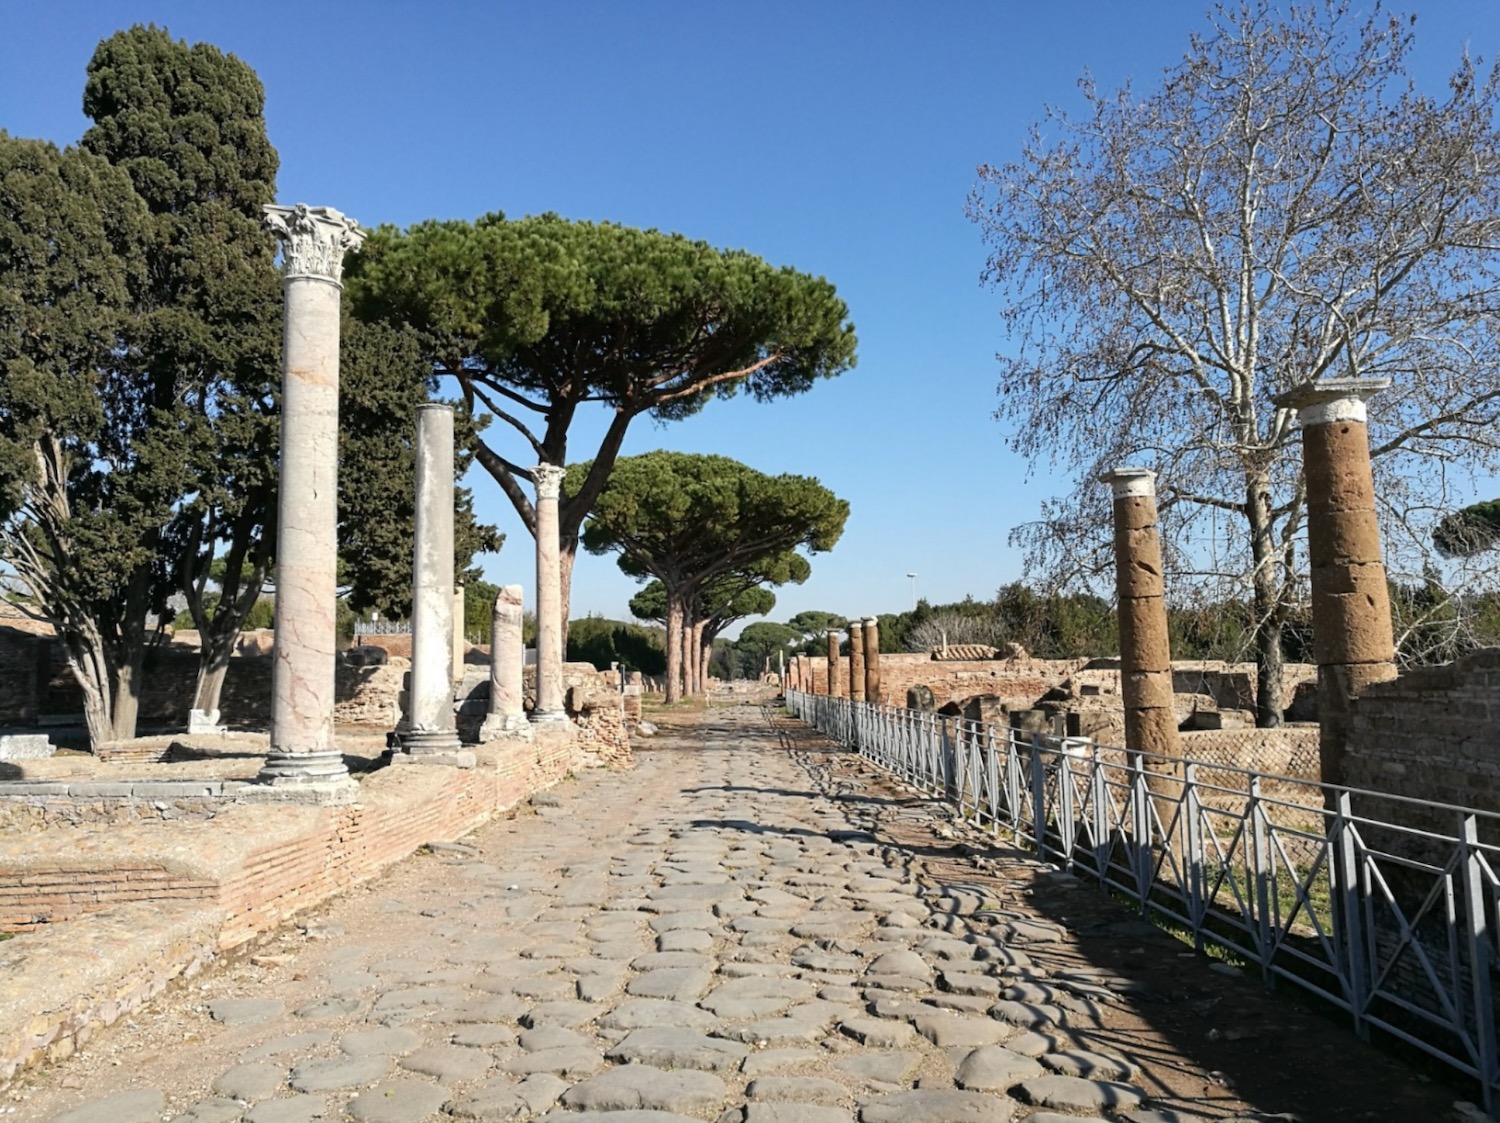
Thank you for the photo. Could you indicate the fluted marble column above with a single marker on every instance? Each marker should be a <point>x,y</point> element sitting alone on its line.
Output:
<point>303,761</point>
<point>507,716</point>
<point>1352,637</point>
<point>430,708</point>
<point>549,637</point>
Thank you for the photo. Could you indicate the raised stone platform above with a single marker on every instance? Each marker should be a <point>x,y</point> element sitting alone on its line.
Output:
<point>25,746</point>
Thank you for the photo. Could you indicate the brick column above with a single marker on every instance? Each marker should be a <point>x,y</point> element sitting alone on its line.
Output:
<point>856,660</point>
<point>304,762</point>
<point>872,660</point>
<point>1352,637</point>
<point>835,688</point>
<point>1145,657</point>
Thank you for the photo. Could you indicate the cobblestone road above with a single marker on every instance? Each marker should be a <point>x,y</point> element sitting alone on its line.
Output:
<point>713,936</point>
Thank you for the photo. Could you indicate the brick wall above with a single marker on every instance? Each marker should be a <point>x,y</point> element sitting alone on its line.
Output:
<point>20,654</point>
<point>1431,734</point>
<point>263,863</point>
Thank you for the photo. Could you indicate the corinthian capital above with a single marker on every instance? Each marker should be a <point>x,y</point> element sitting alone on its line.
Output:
<point>549,478</point>
<point>314,240</point>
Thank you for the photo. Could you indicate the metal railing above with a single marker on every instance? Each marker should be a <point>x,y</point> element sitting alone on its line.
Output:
<point>1385,906</point>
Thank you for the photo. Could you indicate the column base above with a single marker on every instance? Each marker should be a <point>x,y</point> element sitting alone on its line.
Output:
<point>505,727</point>
<point>302,778</point>
<point>549,717</point>
<point>420,742</point>
<point>204,722</point>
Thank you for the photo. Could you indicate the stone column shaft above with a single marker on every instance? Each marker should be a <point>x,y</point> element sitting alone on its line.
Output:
<point>856,661</point>
<point>432,727</point>
<point>1145,657</point>
<point>835,688</point>
<point>1353,642</point>
<point>872,660</point>
<point>507,714</point>
<point>303,757</point>
<point>549,637</point>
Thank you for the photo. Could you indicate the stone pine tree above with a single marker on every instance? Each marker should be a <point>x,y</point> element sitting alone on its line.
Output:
<point>688,519</point>
<point>1283,207</point>
<point>79,507</point>
<point>726,600</point>
<point>542,319</point>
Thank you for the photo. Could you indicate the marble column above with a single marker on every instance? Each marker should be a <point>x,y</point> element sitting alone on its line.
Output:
<point>835,688</point>
<point>1352,638</point>
<point>460,641</point>
<point>549,638</point>
<point>431,724</point>
<point>304,762</point>
<point>856,660</point>
<point>507,715</point>
<point>1145,656</point>
<point>872,660</point>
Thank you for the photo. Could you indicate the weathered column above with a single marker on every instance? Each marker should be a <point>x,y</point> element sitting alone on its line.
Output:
<point>460,641</point>
<point>1352,638</point>
<point>303,760</point>
<point>835,687</point>
<point>431,725</point>
<point>1145,656</point>
<point>872,660</point>
<point>856,661</point>
<point>507,716</point>
<point>549,638</point>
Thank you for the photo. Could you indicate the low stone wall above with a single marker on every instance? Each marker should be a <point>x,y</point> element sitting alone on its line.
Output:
<point>29,806</point>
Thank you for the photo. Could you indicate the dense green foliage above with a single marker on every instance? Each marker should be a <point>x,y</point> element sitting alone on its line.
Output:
<point>1469,531</point>
<point>541,317</point>
<point>634,647</point>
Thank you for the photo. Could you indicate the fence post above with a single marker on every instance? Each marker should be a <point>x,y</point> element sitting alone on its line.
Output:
<point>1476,924</point>
<point>992,767</point>
<point>1067,826</point>
<point>1038,797</point>
<point>1262,873</point>
<point>1348,914</point>
<point>1100,798</point>
<point>1140,822</point>
<point>1193,860</point>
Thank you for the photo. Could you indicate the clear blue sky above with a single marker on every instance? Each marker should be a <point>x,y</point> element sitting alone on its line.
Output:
<point>839,138</point>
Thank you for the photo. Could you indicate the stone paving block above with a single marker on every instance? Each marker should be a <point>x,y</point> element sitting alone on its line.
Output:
<point>291,1043</point>
<point>678,984</point>
<point>144,1105</point>
<point>797,1089</point>
<point>398,1101</point>
<point>380,1042</point>
<point>945,1030</point>
<point>576,1061</point>
<point>668,1047</point>
<point>933,1106</point>
<point>217,1110</point>
<point>1090,1065</point>
<point>640,1013</point>
<point>1076,1095</point>
<point>794,1113</point>
<point>644,1086</point>
<point>484,1035</point>
<point>878,1033</point>
<point>245,1011</point>
<point>293,1109</point>
<point>331,1075</point>
<point>452,1063</point>
<point>994,1068</point>
<point>251,1082</point>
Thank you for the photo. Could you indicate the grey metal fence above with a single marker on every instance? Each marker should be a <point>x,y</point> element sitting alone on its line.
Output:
<point>1385,906</point>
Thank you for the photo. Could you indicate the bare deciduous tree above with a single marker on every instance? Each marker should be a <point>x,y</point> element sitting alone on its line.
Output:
<point>1285,207</point>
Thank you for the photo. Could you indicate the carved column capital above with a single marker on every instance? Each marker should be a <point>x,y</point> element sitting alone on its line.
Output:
<point>548,478</point>
<point>1130,483</point>
<point>314,240</point>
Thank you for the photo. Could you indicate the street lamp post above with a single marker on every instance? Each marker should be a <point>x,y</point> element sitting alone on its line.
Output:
<point>913,577</point>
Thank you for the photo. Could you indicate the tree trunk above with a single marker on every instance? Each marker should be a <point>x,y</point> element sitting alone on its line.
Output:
<point>674,649</point>
<point>700,664</point>
<point>210,685</point>
<point>689,661</point>
<point>1268,600</point>
<point>566,555</point>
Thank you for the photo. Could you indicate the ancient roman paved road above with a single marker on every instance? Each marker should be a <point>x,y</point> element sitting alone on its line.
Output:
<point>709,935</point>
